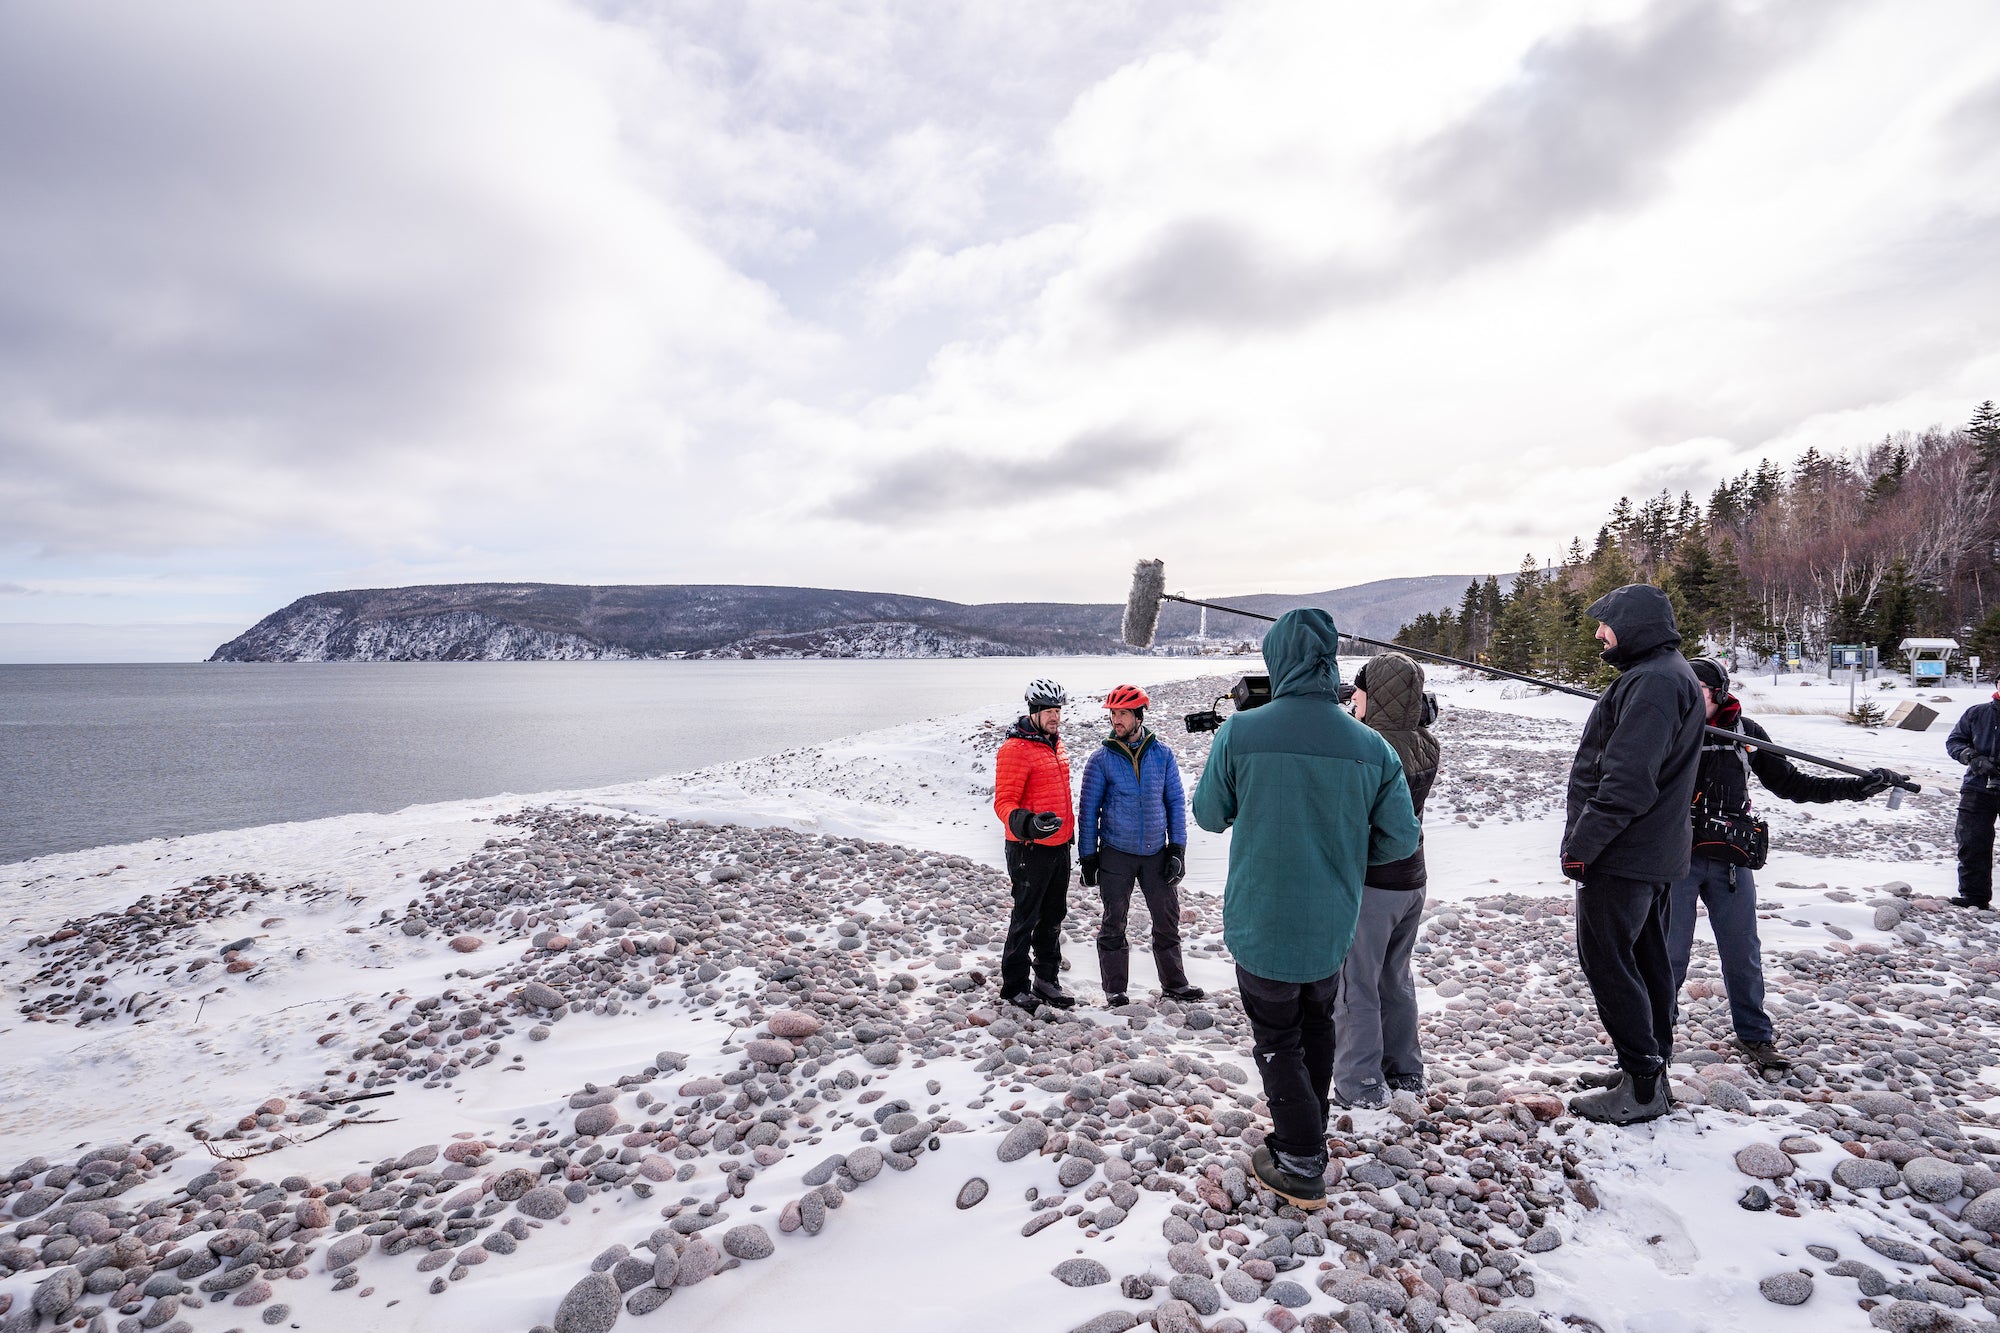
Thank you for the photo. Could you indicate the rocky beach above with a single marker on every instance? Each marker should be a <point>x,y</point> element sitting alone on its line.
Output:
<point>725,1049</point>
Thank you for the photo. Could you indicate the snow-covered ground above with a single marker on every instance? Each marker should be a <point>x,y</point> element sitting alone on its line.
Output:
<point>172,1004</point>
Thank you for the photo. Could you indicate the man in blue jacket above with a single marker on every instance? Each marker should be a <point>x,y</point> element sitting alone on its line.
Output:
<point>1312,798</point>
<point>1132,827</point>
<point>1975,742</point>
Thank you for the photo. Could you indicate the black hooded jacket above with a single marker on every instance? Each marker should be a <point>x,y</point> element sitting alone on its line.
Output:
<point>1634,775</point>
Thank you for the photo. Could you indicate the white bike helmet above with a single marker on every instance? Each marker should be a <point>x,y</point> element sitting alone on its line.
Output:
<point>1045,693</point>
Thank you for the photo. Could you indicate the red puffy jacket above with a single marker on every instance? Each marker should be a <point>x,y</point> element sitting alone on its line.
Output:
<point>1032,774</point>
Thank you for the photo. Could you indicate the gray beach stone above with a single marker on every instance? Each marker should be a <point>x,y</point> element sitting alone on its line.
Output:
<point>591,1306</point>
<point>1787,1288</point>
<point>1025,1138</point>
<point>1933,1178</point>
<point>748,1241</point>
<point>1765,1161</point>
<point>545,1203</point>
<point>1864,1173</point>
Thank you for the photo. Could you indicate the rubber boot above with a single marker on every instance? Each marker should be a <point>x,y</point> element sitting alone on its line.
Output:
<point>1620,1104</point>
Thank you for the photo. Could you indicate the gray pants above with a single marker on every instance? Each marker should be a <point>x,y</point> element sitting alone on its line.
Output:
<point>1375,1015</point>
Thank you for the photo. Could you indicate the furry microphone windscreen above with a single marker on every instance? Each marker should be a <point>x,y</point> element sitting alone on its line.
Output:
<point>1142,608</point>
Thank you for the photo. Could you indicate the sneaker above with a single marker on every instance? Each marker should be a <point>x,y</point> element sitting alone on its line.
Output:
<point>1621,1104</point>
<point>1052,994</point>
<point>1116,1000</point>
<point>1982,904</point>
<point>1410,1083</point>
<point>1372,1097</point>
<point>1027,1000</point>
<point>1291,1178</point>
<point>1763,1054</point>
<point>1185,993</point>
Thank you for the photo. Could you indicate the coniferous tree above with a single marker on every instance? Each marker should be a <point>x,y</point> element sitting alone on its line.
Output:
<point>1471,630</point>
<point>1692,579</point>
<point>1984,428</point>
<point>1984,641</point>
<point>1516,636</point>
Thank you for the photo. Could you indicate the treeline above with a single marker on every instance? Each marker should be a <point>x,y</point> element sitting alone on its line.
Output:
<point>1896,540</point>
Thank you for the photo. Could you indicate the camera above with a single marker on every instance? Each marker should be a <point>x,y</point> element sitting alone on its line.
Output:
<point>1247,693</point>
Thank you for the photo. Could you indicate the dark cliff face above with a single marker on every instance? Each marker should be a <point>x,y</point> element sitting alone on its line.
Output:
<point>565,622</point>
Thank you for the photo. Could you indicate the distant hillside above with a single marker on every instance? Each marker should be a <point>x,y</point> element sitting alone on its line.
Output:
<point>568,622</point>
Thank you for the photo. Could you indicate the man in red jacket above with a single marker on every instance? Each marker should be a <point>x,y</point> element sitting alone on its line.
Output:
<point>1031,797</point>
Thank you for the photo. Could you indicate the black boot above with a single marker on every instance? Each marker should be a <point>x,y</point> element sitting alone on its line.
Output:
<point>1052,993</point>
<point>1961,900</point>
<point>1299,1181</point>
<point>1763,1054</point>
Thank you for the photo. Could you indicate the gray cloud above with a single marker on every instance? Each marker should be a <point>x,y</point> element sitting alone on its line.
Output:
<point>1589,122</point>
<point>1586,126</point>
<point>1212,271</point>
<point>1972,128</point>
<point>951,480</point>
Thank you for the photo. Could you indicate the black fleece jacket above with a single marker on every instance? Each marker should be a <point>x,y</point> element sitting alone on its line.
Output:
<point>1634,774</point>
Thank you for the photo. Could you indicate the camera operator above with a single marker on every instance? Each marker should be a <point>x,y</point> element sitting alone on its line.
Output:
<point>1314,798</point>
<point>1132,826</point>
<point>1627,838</point>
<point>1975,742</point>
<point>1031,797</point>
<point>1720,873</point>
<point>1375,1017</point>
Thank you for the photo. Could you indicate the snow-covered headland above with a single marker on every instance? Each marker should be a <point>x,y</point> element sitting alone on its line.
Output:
<point>727,1043</point>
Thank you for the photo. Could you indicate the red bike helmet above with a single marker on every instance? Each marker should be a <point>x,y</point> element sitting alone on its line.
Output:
<point>1126,696</point>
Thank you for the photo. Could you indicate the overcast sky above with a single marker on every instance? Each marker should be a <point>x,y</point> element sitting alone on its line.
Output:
<point>975,301</point>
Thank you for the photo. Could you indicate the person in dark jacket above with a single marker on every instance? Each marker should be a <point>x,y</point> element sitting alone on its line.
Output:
<point>1311,798</point>
<point>1375,1016</point>
<point>1032,801</point>
<point>1729,891</point>
<point>1131,827</point>
<point>1627,838</point>
<point>1975,742</point>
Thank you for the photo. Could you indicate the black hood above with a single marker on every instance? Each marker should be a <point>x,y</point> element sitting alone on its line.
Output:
<point>1642,618</point>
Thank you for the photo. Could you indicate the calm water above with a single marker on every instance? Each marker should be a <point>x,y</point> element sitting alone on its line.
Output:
<point>91,755</point>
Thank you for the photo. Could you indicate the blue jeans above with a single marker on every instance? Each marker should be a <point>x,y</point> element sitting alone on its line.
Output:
<point>1732,915</point>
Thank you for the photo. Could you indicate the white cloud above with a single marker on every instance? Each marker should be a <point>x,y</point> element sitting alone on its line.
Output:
<point>1293,294</point>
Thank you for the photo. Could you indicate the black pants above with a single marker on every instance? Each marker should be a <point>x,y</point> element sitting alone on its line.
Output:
<point>1040,876</point>
<point>1116,874</point>
<point>1292,1024</point>
<point>1621,940</point>
<point>1976,810</point>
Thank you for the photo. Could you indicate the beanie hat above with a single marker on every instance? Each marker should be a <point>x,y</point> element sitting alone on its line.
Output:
<point>1711,673</point>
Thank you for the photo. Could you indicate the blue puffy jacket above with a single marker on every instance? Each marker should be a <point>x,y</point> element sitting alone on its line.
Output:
<point>1131,798</point>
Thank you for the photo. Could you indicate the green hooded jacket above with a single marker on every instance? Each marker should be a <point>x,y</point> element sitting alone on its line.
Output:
<point>1315,798</point>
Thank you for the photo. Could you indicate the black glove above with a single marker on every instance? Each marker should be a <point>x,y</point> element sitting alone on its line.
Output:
<point>1573,870</point>
<point>1176,865</point>
<point>1088,866</point>
<point>1032,826</point>
<point>1982,766</point>
<point>1878,780</point>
